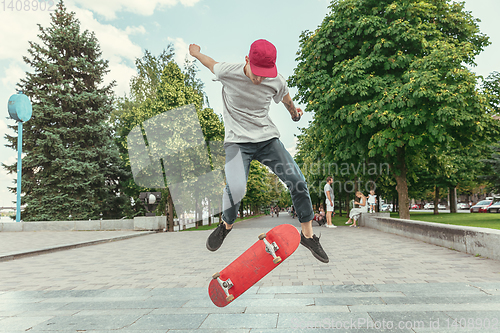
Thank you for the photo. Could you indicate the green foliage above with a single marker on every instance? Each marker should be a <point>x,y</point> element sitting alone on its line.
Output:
<point>491,87</point>
<point>258,191</point>
<point>161,86</point>
<point>387,80</point>
<point>72,167</point>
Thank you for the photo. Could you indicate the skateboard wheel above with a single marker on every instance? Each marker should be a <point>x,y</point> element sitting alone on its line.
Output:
<point>276,260</point>
<point>229,298</point>
<point>262,236</point>
<point>216,275</point>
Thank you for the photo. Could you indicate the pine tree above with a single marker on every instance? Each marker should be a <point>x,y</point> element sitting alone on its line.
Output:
<point>72,167</point>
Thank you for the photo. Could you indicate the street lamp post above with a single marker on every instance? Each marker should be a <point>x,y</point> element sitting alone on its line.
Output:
<point>20,110</point>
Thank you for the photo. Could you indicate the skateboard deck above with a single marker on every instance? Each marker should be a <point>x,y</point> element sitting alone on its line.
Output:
<point>263,256</point>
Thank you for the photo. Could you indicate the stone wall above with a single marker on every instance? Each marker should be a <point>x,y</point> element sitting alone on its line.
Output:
<point>476,241</point>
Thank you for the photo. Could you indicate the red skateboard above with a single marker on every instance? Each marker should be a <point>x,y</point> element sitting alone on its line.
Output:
<point>263,256</point>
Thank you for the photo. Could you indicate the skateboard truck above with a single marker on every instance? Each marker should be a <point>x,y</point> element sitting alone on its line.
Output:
<point>271,248</point>
<point>225,285</point>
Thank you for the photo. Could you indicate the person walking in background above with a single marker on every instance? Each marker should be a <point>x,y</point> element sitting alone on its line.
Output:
<point>329,202</point>
<point>355,212</point>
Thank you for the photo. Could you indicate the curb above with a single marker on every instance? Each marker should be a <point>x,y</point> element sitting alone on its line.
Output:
<point>29,253</point>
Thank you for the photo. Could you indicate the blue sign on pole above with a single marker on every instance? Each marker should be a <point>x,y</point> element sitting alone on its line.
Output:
<point>20,110</point>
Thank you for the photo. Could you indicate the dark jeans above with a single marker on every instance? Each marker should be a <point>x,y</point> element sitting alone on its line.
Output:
<point>273,154</point>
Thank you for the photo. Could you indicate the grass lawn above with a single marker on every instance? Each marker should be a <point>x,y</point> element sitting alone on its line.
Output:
<point>482,220</point>
<point>214,225</point>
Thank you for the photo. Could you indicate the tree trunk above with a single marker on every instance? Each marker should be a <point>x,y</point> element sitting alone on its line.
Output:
<point>209,213</point>
<point>402,186</point>
<point>340,204</point>
<point>170,211</point>
<point>241,211</point>
<point>436,200</point>
<point>453,199</point>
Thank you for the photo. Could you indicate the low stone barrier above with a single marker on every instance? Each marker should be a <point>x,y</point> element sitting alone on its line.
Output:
<point>139,223</point>
<point>476,241</point>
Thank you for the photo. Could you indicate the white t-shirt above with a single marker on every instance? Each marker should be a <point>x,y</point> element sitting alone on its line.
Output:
<point>327,189</point>
<point>246,105</point>
<point>371,199</point>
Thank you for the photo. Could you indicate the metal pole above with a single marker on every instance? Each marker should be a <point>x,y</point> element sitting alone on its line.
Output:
<point>19,168</point>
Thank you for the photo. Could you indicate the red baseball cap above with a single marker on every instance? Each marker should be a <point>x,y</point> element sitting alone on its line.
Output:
<point>263,58</point>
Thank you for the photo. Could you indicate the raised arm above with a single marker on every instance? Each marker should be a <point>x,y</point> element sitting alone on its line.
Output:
<point>194,50</point>
<point>296,113</point>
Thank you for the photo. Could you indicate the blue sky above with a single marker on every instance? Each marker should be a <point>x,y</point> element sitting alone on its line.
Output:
<point>223,28</point>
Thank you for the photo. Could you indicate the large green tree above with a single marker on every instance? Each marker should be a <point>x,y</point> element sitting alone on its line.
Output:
<point>160,86</point>
<point>388,79</point>
<point>71,168</point>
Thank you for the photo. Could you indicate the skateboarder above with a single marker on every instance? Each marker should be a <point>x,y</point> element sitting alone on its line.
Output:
<point>250,134</point>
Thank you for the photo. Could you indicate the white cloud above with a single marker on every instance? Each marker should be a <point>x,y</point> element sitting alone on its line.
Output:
<point>293,150</point>
<point>135,30</point>
<point>181,51</point>
<point>3,127</point>
<point>121,74</point>
<point>7,180</point>
<point>116,47</point>
<point>110,8</point>
<point>13,74</point>
<point>19,28</point>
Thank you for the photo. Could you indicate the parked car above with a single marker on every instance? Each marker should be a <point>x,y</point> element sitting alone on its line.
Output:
<point>463,205</point>
<point>481,206</point>
<point>429,206</point>
<point>386,208</point>
<point>494,208</point>
<point>415,207</point>
<point>441,207</point>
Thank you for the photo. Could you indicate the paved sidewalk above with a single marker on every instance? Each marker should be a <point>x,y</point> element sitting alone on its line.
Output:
<point>19,244</point>
<point>158,283</point>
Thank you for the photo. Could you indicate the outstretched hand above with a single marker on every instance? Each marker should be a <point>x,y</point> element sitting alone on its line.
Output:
<point>299,115</point>
<point>194,49</point>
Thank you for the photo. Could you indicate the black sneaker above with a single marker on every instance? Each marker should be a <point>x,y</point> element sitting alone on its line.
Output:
<point>216,238</point>
<point>315,247</point>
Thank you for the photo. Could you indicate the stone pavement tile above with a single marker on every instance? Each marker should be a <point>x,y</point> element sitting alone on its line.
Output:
<point>288,330</point>
<point>47,313</point>
<point>349,288</point>
<point>424,307</point>
<point>87,323</point>
<point>338,320</point>
<point>99,331</point>
<point>342,294</point>
<point>484,320</point>
<point>409,320</point>
<point>146,304</point>
<point>314,330</point>
<point>70,293</point>
<point>184,321</point>
<point>30,306</point>
<point>14,242</point>
<point>290,290</point>
<point>11,324</point>
<point>114,312</point>
<point>455,299</point>
<point>67,300</point>
<point>19,295</point>
<point>348,301</point>
<point>212,309</point>
<point>416,289</point>
<point>298,309</point>
<point>201,330</point>
<point>235,321</point>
